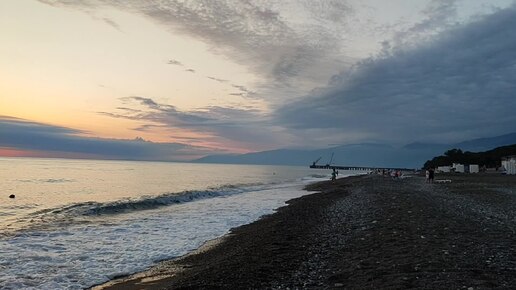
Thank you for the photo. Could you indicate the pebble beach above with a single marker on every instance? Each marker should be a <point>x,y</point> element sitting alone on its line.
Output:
<point>363,232</point>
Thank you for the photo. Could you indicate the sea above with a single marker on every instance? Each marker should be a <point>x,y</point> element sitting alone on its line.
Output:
<point>77,223</point>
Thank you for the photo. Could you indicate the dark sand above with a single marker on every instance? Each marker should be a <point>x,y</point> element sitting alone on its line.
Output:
<point>366,232</point>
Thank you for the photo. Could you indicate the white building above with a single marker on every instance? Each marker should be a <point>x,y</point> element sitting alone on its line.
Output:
<point>458,167</point>
<point>473,168</point>
<point>509,164</point>
<point>444,168</point>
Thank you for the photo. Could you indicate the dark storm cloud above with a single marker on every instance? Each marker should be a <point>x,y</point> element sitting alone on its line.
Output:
<point>25,135</point>
<point>460,85</point>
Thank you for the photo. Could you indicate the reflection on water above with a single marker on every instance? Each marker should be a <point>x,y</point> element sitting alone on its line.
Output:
<point>43,184</point>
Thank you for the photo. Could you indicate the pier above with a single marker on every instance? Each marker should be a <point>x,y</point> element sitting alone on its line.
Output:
<point>361,168</point>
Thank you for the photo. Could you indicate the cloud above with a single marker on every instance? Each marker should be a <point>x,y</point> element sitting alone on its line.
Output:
<point>242,88</point>
<point>144,101</point>
<point>222,127</point>
<point>427,76</point>
<point>170,115</point>
<point>147,127</point>
<point>174,62</point>
<point>18,124</point>
<point>456,86</point>
<point>111,23</point>
<point>290,47</point>
<point>32,136</point>
<point>129,110</point>
<point>244,92</point>
<point>217,79</point>
<point>268,37</point>
<point>438,16</point>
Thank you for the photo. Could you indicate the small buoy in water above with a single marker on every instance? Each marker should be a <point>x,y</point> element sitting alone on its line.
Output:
<point>12,196</point>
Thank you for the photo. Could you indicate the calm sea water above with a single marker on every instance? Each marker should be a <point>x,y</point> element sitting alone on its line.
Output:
<point>76,223</point>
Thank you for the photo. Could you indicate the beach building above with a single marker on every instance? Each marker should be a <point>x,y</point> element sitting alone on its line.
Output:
<point>458,167</point>
<point>509,164</point>
<point>444,169</point>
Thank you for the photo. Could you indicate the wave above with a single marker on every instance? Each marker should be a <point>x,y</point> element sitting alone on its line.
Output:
<point>150,202</point>
<point>319,175</point>
<point>88,212</point>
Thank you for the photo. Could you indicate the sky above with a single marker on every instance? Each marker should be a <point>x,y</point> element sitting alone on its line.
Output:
<point>177,80</point>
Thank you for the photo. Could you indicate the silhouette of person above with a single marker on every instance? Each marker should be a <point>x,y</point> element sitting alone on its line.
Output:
<point>431,173</point>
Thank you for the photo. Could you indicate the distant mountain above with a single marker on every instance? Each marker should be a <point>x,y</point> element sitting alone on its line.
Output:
<point>426,146</point>
<point>356,154</point>
<point>475,145</point>
<point>483,144</point>
<point>364,154</point>
<point>272,157</point>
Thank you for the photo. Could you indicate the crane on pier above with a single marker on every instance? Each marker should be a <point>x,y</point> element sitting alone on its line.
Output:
<point>331,159</point>
<point>313,164</point>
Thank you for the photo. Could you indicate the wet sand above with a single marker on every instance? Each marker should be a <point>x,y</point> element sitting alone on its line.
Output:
<point>365,232</point>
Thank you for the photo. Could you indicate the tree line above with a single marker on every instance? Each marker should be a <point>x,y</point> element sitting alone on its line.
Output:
<point>489,159</point>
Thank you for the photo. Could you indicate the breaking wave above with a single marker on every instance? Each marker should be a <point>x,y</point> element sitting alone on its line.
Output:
<point>149,202</point>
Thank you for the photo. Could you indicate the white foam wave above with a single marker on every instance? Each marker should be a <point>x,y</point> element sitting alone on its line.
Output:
<point>79,256</point>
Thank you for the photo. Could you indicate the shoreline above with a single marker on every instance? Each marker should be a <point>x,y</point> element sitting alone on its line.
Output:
<point>362,232</point>
<point>157,276</point>
<point>161,271</point>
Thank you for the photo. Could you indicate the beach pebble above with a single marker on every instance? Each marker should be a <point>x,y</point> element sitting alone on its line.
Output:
<point>12,196</point>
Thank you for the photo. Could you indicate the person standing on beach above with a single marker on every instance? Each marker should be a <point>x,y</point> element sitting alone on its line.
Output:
<point>427,176</point>
<point>431,173</point>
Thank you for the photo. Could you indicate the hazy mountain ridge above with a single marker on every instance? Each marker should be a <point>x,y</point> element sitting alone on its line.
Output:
<point>412,155</point>
<point>488,143</point>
